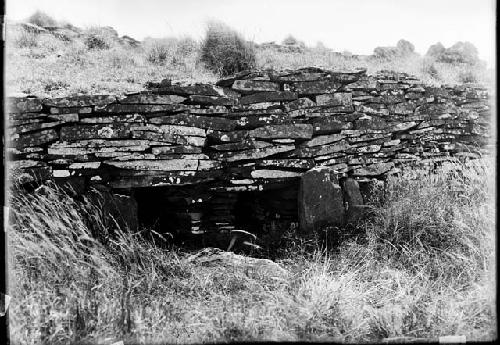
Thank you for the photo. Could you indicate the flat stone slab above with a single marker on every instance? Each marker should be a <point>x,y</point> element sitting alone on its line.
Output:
<point>100,131</point>
<point>205,122</point>
<point>315,87</point>
<point>270,96</point>
<point>80,101</point>
<point>251,86</point>
<point>35,138</point>
<point>23,105</point>
<point>143,108</point>
<point>291,131</point>
<point>163,165</point>
<point>152,99</point>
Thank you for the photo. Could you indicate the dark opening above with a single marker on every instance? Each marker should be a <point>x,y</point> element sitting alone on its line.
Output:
<point>197,216</point>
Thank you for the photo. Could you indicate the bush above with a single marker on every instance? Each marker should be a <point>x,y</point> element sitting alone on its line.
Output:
<point>468,76</point>
<point>386,53</point>
<point>225,52</point>
<point>26,39</point>
<point>41,19</point>
<point>160,51</point>
<point>99,38</point>
<point>435,50</point>
<point>405,47</point>
<point>460,52</point>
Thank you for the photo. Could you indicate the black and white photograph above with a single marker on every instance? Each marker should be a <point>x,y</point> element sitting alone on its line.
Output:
<point>216,171</point>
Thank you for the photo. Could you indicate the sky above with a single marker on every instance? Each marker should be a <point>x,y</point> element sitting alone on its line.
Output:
<point>357,26</point>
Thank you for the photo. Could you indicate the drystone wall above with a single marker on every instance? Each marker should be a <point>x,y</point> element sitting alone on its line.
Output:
<point>207,154</point>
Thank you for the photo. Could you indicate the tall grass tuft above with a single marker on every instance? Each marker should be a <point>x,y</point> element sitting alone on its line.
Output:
<point>225,52</point>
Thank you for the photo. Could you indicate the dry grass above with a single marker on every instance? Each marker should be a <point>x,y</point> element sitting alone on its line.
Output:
<point>44,65</point>
<point>425,268</point>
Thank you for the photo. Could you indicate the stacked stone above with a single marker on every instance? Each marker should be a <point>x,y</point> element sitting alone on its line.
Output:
<point>254,131</point>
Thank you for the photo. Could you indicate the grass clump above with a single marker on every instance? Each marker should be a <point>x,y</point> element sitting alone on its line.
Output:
<point>225,52</point>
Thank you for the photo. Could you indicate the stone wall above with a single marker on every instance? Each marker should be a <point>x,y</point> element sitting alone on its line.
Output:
<point>254,132</point>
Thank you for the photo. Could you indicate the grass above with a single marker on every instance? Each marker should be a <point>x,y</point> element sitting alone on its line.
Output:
<point>422,266</point>
<point>48,66</point>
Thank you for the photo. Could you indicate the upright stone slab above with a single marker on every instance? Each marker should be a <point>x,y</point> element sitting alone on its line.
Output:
<point>354,201</point>
<point>320,201</point>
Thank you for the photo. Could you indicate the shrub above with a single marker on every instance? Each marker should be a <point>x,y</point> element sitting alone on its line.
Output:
<point>460,52</point>
<point>225,52</point>
<point>468,76</point>
<point>290,40</point>
<point>41,19</point>
<point>26,39</point>
<point>435,50</point>
<point>405,47</point>
<point>385,53</point>
<point>99,38</point>
<point>160,51</point>
<point>93,41</point>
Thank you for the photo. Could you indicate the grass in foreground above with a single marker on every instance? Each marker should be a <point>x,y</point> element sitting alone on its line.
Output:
<point>424,268</point>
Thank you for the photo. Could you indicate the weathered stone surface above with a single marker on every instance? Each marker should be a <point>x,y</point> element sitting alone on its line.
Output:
<point>303,74</point>
<point>152,99</point>
<point>257,106</point>
<point>216,123</point>
<point>272,174</point>
<point>70,110</point>
<point>128,118</point>
<point>373,169</point>
<point>80,101</point>
<point>328,125</point>
<point>143,108</point>
<point>64,117</point>
<point>175,149</point>
<point>104,131</point>
<point>30,127</point>
<point>371,122</point>
<point>315,87</point>
<point>23,105</point>
<point>291,163</point>
<point>335,99</point>
<point>163,165</point>
<point>240,145</point>
<point>270,96</point>
<point>227,137</point>
<point>300,103</point>
<point>320,200</point>
<point>401,108</point>
<point>35,139</point>
<point>292,131</point>
<point>254,153</point>
<point>244,266</point>
<point>187,90</point>
<point>403,126</point>
<point>251,86</point>
<point>258,120</point>
<point>324,139</point>
<point>208,110</point>
<point>212,100</point>
<point>315,151</point>
<point>152,178</point>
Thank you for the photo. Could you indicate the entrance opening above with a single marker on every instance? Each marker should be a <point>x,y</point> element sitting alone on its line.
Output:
<point>198,216</point>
